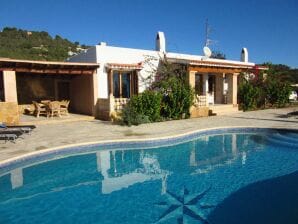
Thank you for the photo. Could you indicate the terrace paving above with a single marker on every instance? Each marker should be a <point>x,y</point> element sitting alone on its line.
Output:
<point>59,134</point>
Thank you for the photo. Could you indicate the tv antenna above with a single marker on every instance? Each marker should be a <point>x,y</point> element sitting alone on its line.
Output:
<point>208,30</point>
<point>208,41</point>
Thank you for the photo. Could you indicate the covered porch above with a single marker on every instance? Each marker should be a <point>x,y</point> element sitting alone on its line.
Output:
<point>215,85</point>
<point>24,81</point>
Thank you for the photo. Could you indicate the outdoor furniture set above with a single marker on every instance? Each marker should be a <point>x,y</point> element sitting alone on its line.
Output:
<point>51,108</point>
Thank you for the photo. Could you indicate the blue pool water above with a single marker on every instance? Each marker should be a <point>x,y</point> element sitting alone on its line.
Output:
<point>228,176</point>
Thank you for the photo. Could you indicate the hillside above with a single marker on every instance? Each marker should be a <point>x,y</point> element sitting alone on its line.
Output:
<point>33,45</point>
<point>284,72</point>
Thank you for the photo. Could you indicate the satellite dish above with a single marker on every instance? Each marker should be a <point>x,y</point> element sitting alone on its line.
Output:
<point>207,52</point>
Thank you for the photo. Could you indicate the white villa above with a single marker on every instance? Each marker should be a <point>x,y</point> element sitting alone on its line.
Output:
<point>102,79</point>
<point>122,72</point>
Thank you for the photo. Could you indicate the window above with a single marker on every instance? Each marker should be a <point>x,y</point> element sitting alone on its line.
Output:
<point>199,84</point>
<point>124,84</point>
<point>116,84</point>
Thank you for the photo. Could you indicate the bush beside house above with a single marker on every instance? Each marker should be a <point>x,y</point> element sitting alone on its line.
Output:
<point>169,97</point>
<point>263,92</point>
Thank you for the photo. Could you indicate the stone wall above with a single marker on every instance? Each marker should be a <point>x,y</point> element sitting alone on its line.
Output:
<point>102,110</point>
<point>9,113</point>
<point>199,112</point>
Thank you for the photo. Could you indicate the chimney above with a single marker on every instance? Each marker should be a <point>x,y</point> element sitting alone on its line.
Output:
<point>244,55</point>
<point>160,42</point>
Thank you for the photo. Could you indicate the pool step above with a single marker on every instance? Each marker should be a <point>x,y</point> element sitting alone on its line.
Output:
<point>282,140</point>
<point>287,137</point>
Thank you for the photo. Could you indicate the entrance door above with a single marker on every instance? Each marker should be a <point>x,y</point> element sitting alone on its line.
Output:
<point>63,90</point>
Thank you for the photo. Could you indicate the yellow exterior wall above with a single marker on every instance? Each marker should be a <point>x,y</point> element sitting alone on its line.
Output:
<point>82,94</point>
<point>10,86</point>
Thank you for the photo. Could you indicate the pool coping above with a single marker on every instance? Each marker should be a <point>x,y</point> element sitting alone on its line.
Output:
<point>79,148</point>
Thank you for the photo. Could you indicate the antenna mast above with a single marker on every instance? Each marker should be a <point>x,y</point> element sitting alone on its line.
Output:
<point>208,30</point>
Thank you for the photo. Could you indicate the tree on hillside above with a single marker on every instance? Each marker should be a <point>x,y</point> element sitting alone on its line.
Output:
<point>284,72</point>
<point>34,45</point>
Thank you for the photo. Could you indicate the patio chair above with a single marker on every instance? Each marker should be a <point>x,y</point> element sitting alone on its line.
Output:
<point>39,109</point>
<point>64,107</point>
<point>53,109</point>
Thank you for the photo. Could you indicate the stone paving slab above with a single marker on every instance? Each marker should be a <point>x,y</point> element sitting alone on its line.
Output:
<point>54,135</point>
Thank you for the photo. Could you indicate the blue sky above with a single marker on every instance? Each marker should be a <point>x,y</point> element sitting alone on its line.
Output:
<point>268,28</point>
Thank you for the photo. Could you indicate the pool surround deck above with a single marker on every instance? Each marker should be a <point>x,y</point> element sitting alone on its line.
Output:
<point>80,134</point>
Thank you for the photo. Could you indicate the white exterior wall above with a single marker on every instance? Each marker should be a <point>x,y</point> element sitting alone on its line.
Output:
<point>104,54</point>
<point>108,54</point>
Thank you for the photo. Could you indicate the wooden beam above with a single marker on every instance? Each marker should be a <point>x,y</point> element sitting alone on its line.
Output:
<point>51,71</point>
<point>215,70</point>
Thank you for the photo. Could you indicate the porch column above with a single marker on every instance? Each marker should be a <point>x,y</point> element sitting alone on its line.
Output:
<point>219,88</point>
<point>111,103</point>
<point>111,96</point>
<point>192,79</point>
<point>94,84</point>
<point>232,89</point>
<point>205,84</point>
<point>110,80</point>
<point>10,86</point>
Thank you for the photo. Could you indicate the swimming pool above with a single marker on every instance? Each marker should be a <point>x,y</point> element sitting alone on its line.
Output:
<point>219,176</point>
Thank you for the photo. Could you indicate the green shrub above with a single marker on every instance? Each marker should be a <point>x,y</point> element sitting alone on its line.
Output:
<point>257,93</point>
<point>277,92</point>
<point>149,104</point>
<point>143,108</point>
<point>169,97</point>
<point>249,95</point>
<point>177,99</point>
<point>131,117</point>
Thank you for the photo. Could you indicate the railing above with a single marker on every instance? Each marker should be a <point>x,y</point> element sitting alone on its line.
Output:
<point>200,101</point>
<point>119,103</point>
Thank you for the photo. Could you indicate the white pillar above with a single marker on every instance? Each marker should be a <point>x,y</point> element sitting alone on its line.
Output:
<point>205,84</point>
